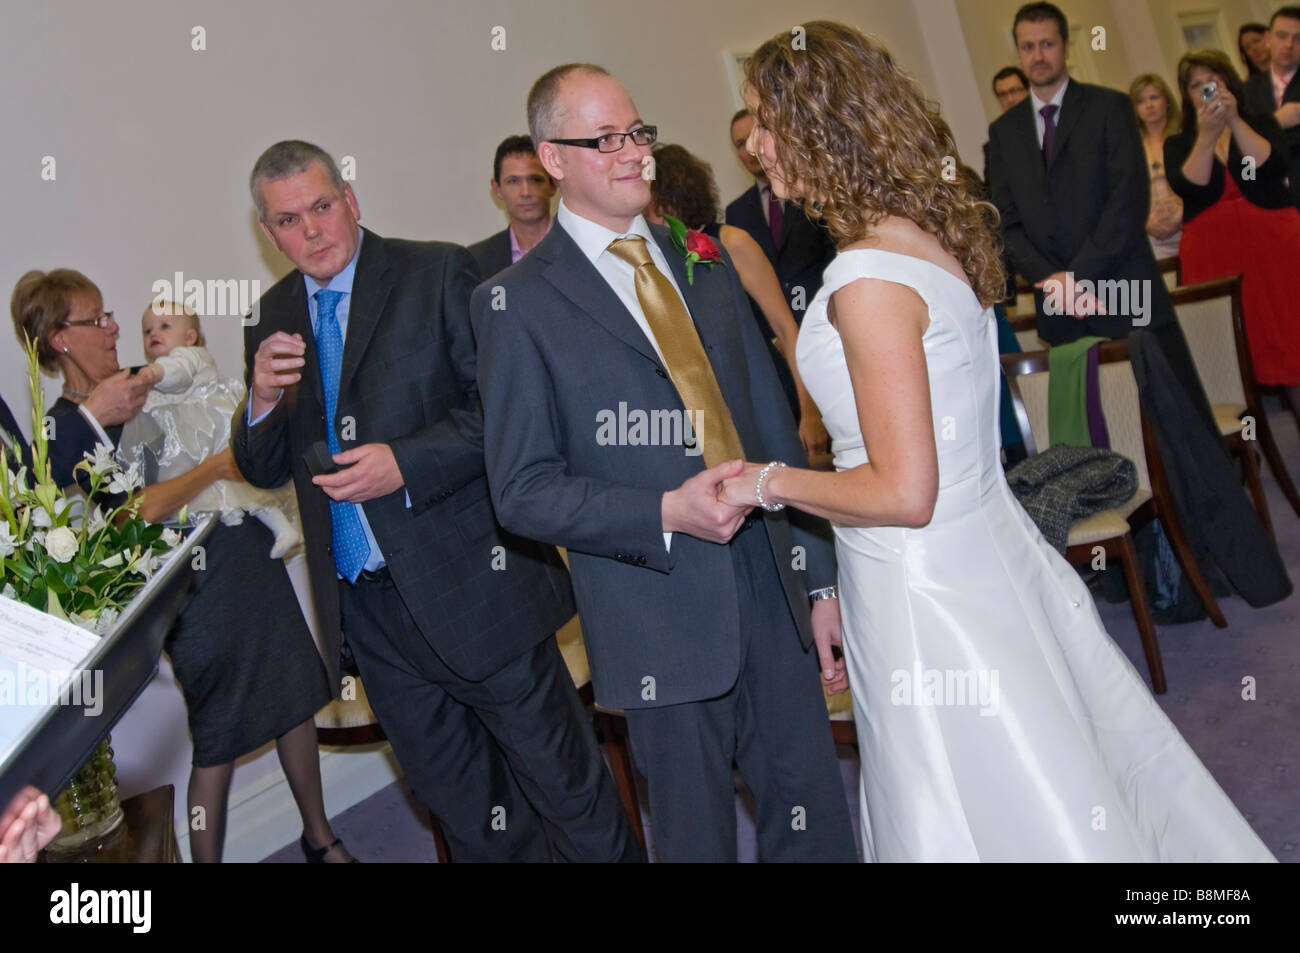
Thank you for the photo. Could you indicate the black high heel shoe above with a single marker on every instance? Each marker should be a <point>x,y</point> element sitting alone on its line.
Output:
<point>316,855</point>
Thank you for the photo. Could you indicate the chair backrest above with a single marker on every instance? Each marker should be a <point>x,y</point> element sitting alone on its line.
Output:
<point>1210,316</point>
<point>1172,269</point>
<point>1028,377</point>
<point>1025,327</point>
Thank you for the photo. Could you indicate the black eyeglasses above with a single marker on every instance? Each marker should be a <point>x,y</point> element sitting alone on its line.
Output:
<point>100,322</point>
<point>614,141</point>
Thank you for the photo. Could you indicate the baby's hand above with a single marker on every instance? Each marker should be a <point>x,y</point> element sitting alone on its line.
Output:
<point>151,374</point>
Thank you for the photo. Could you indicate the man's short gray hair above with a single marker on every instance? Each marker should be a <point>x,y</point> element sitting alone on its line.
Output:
<point>287,158</point>
<point>544,117</point>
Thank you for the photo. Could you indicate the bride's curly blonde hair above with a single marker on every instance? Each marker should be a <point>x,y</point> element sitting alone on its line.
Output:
<point>861,141</point>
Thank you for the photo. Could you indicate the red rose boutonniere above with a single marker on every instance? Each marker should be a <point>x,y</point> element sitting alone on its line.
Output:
<point>696,247</point>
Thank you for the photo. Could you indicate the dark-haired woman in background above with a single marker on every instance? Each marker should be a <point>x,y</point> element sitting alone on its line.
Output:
<point>683,187</point>
<point>1252,47</point>
<point>1230,169</point>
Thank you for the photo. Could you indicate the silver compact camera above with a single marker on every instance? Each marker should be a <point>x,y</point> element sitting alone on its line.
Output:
<point>1209,91</point>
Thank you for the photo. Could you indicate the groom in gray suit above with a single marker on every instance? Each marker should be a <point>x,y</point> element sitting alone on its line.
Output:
<point>618,392</point>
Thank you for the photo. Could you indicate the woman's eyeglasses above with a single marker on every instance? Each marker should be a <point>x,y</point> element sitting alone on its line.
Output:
<point>100,322</point>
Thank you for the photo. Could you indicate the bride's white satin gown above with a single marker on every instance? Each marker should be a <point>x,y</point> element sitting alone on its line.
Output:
<point>997,720</point>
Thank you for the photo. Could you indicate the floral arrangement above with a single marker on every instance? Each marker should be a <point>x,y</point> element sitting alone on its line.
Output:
<point>69,557</point>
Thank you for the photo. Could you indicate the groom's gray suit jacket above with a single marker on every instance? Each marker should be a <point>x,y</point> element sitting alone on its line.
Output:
<point>558,353</point>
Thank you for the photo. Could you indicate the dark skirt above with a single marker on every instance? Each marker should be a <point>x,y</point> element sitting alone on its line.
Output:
<point>241,649</point>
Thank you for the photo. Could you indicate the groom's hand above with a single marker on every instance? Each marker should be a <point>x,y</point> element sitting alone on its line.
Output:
<point>826,633</point>
<point>695,509</point>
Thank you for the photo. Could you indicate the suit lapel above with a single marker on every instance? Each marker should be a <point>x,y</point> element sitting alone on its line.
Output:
<point>1026,134</point>
<point>370,289</point>
<point>1072,109</point>
<point>578,280</point>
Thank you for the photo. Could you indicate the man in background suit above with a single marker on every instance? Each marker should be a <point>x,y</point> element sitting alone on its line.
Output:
<point>449,618</point>
<point>798,249</point>
<point>696,619</point>
<point>1276,88</point>
<point>521,184</point>
<point>1068,175</point>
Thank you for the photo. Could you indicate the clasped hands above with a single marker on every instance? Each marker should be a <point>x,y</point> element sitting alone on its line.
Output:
<point>711,506</point>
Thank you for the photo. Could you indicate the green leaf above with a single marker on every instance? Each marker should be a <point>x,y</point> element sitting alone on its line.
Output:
<point>54,578</point>
<point>679,232</point>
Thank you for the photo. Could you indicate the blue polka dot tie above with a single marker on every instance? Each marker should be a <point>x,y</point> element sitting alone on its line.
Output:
<point>351,548</point>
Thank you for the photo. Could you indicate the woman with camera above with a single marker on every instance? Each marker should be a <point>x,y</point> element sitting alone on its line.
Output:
<point>1230,169</point>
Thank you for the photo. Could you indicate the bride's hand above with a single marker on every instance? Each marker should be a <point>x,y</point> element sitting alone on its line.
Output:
<point>741,490</point>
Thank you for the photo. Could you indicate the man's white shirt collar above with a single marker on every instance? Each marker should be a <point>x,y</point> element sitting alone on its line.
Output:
<point>1056,100</point>
<point>594,238</point>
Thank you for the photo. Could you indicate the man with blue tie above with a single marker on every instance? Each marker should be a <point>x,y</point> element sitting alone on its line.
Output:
<point>361,388</point>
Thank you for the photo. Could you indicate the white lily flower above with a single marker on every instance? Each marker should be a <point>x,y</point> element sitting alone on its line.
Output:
<point>40,518</point>
<point>171,537</point>
<point>7,541</point>
<point>96,522</point>
<point>105,620</point>
<point>37,537</point>
<point>101,460</point>
<point>112,562</point>
<point>141,563</point>
<point>128,481</point>
<point>9,592</point>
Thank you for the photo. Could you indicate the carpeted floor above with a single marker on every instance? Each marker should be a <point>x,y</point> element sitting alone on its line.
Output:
<point>1252,747</point>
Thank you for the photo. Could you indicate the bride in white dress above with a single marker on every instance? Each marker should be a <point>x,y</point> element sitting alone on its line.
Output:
<point>997,720</point>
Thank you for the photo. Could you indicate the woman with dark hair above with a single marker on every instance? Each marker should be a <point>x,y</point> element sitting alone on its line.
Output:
<point>244,686</point>
<point>1252,47</point>
<point>683,187</point>
<point>1153,102</point>
<point>996,718</point>
<point>1230,168</point>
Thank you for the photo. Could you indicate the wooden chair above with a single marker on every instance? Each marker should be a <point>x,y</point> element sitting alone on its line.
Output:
<point>1131,435</point>
<point>1172,269</point>
<point>1211,319</point>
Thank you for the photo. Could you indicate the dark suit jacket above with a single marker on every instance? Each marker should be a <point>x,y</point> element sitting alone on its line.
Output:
<point>492,254</point>
<point>563,355</point>
<point>806,249</point>
<point>1085,212</point>
<point>408,380</point>
<point>20,446</point>
<point>1259,101</point>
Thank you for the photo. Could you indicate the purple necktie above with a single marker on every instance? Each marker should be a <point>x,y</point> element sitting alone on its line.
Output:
<point>775,218</point>
<point>1048,113</point>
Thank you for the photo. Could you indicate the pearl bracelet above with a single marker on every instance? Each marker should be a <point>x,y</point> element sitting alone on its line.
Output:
<point>758,488</point>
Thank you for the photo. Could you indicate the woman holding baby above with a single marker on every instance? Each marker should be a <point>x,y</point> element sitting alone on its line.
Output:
<point>243,685</point>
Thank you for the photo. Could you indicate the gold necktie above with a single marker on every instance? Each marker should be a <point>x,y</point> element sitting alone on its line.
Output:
<point>688,365</point>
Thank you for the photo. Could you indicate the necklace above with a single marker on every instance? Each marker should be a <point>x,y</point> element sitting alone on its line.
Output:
<point>74,394</point>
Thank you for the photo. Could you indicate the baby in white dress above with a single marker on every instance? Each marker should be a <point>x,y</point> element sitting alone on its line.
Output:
<point>186,419</point>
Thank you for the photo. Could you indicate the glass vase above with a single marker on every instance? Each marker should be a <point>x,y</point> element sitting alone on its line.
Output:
<point>89,805</point>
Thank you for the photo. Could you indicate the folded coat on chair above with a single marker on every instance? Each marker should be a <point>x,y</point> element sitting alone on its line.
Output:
<point>1065,483</point>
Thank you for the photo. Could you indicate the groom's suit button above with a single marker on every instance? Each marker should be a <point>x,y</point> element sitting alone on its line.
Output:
<point>660,371</point>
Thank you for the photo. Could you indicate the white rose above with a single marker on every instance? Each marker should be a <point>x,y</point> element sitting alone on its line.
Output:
<point>61,544</point>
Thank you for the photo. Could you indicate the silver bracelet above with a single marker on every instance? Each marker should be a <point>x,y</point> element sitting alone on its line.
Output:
<point>758,488</point>
<point>828,592</point>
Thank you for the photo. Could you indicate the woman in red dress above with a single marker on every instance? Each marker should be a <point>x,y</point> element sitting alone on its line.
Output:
<point>1238,217</point>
